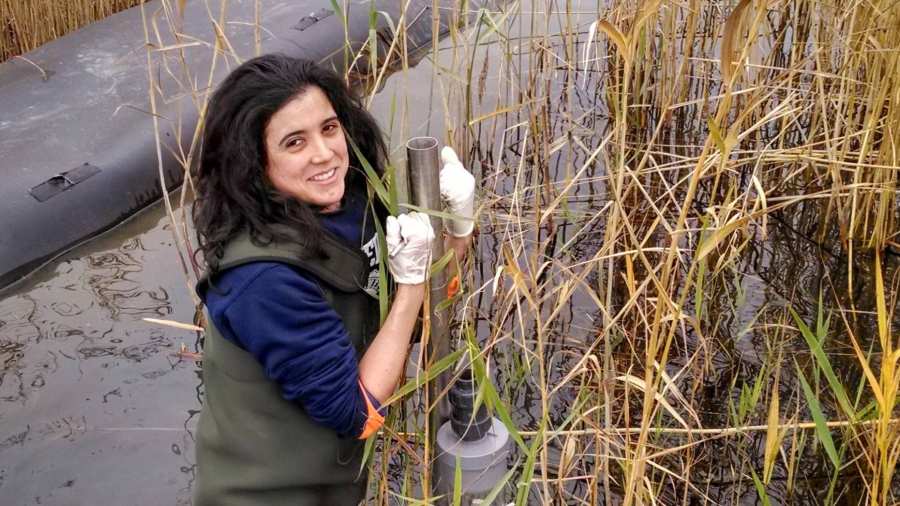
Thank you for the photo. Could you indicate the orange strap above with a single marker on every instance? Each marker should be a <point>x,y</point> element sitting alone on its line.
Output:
<point>453,287</point>
<point>374,421</point>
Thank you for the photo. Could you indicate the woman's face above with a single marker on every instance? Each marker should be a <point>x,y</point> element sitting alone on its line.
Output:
<point>306,150</point>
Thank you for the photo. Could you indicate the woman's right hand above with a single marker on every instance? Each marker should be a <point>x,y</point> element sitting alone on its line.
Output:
<point>409,240</point>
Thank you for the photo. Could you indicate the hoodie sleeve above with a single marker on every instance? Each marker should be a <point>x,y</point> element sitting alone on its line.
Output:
<point>280,316</point>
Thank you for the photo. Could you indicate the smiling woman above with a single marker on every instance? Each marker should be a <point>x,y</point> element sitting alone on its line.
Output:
<point>295,363</point>
<point>274,124</point>
<point>306,150</point>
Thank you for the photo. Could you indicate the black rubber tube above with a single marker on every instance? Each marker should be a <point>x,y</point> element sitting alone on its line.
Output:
<point>462,399</point>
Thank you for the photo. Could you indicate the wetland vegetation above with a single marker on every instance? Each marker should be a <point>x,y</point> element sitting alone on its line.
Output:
<point>685,286</point>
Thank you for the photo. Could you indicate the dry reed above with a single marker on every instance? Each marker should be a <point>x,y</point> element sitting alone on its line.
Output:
<point>26,24</point>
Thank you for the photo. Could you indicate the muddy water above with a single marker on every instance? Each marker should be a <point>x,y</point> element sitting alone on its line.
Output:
<point>94,407</point>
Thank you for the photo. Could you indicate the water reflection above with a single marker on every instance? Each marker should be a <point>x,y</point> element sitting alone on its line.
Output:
<point>89,394</point>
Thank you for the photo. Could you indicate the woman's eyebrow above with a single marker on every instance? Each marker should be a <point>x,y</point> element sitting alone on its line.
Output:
<point>301,131</point>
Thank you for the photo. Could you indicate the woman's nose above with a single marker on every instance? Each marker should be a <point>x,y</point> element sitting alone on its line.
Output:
<point>322,151</point>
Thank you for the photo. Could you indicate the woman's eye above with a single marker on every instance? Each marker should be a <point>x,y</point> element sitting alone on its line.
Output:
<point>330,129</point>
<point>293,143</point>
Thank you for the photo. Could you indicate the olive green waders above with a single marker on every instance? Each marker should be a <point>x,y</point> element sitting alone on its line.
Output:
<point>256,448</point>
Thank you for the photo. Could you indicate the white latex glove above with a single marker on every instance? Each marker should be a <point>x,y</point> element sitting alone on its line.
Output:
<point>458,193</point>
<point>409,240</point>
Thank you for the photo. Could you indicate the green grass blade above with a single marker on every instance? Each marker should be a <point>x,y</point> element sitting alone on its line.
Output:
<point>440,264</point>
<point>430,212</point>
<point>374,180</point>
<point>457,483</point>
<point>822,431</point>
<point>433,372</point>
<point>492,495</point>
<point>446,303</point>
<point>391,176</point>
<point>383,289</point>
<point>367,453</point>
<point>524,485</point>
<point>373,37</point>
<point>815,344</point>
<point>760,489</point>
<point>496,406</point>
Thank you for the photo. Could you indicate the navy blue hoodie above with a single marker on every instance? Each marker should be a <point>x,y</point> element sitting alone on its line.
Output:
<point>279,315</point>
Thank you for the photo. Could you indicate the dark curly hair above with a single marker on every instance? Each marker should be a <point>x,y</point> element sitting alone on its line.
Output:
<point>233,191</point>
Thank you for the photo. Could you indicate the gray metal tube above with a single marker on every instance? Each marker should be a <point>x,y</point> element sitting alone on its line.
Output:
<point>424,191</point>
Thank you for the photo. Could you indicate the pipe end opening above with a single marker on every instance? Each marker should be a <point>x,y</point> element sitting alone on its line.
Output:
<point>422,143</point>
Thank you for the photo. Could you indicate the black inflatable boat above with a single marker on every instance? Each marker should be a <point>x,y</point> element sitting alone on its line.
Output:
<point>77,147</point>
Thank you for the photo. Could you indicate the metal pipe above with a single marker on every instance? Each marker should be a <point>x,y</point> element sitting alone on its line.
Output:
<point>423,163</point>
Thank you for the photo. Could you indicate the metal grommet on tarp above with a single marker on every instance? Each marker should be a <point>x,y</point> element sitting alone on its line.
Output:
<point>62,182</point>
<point>313,18</point>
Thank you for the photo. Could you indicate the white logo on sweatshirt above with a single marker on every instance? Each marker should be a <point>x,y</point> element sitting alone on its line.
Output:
<point>372,252</point>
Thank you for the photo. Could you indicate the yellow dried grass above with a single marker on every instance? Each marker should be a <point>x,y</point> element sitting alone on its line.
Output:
<point>26,24</point>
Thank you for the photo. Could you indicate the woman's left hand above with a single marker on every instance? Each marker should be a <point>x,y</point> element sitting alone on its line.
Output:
<point>458,193</point>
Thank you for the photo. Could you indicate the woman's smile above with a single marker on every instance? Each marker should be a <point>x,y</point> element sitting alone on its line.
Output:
<point>325,177</point>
